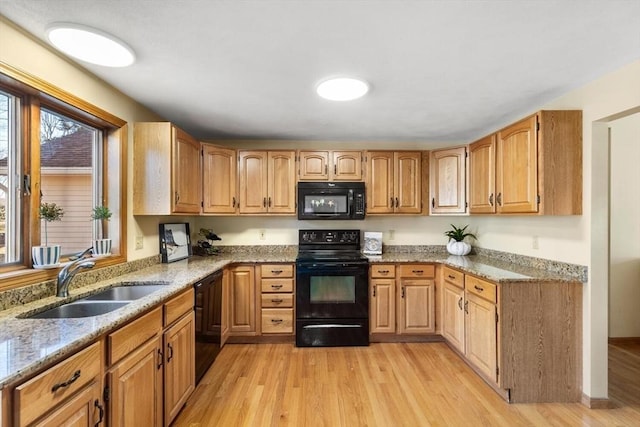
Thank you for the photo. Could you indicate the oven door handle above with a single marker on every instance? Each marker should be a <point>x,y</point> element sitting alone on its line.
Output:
<point>340,268</point>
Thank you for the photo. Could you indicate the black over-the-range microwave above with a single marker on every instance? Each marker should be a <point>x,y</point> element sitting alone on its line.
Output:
<point>331,200</point>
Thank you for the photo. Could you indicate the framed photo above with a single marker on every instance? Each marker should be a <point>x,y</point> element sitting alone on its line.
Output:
<point>175,241</point>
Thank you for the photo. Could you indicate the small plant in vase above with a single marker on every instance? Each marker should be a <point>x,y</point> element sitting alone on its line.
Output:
<point>45,256</point>
<point>456,244</point>
<point>102,245</point>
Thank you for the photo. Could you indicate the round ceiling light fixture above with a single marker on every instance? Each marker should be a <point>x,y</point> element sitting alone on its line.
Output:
<point>90,45</point>
<point>342,88</point>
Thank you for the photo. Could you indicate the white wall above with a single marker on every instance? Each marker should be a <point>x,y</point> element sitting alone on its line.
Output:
<point>624,273</point>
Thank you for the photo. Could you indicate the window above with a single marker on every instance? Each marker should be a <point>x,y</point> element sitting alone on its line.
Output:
<point>75,158</point>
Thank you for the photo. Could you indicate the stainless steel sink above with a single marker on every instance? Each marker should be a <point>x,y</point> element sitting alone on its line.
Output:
<point>124,293</point>
<point>78,309</point>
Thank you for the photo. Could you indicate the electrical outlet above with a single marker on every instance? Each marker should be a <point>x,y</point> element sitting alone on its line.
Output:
<point>392,234</point>
<point>534,243</point>
<point>139,242</point>
<point>262,234</point>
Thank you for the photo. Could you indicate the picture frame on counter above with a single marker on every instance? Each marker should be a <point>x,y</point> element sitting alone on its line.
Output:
<point>175,241</point>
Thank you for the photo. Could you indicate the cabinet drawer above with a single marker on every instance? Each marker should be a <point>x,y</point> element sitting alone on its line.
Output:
<point>177,306</point>
<point>277,320</point>
<point>481,288</point>
<point>131,336</point>
<point>276,285</point>
<point>277,300</point>
<point>276,270</point>
<point>40,394</point>
<point>417,270</point>
<point>453,276</point>
<point>381,271</point>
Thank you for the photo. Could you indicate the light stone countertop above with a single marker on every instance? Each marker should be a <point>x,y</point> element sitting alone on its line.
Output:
<point>27,345</point>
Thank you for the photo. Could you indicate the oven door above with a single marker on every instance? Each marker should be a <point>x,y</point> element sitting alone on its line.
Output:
<point>332,291</point>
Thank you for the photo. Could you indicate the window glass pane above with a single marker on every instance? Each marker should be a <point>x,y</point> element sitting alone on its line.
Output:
<point>10,174</point>
<point>68,159</point>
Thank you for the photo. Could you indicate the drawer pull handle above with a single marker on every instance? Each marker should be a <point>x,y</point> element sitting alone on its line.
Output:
<point>417,271</point>
<point>276,320</point>
<point>383,271</point>
<point>66,383</point>
<point>101,409</point>
<point>478,288</point>
<point>451,277</point>
<point>276,271</point>
<point>277,301</point>
<point>276,286</point>
<point>170,351</point>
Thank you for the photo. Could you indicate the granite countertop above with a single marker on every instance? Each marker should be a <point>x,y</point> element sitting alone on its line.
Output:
<point>26,345</point>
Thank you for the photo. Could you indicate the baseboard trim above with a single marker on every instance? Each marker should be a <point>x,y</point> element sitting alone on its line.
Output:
<point>624,340</point>
<point>596,403</point>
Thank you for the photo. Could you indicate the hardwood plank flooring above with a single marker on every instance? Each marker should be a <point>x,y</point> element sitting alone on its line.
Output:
<point>391,384</point>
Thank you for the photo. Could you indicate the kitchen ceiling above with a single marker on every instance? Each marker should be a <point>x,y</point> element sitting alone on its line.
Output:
<point>440,71</point>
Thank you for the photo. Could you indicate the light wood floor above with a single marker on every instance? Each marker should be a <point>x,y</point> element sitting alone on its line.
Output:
<point>418,384</point>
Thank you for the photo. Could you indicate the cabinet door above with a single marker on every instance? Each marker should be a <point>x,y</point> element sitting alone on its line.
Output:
<point>136,387</point>
<point>447,176</point>
<point>243,300</point>
<point>84,409</point>
<point>407,182</point>
<point>253,182</point>
<point>219,180</point>
<point>314,166</point>
<point>347,165</point>
<point>226,308</point>
<point>179,367</point>
<point>480,328</point>
<point>482,172</point>
<point>453,315</point>
<point>281,190</point>
<point>382,306</point>
<point>186,175</point>
<point>380,192</point>
<point>416,307</point>
<point>517,168</point>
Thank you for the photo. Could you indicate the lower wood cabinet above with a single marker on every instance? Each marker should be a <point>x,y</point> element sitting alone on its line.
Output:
<point>276,298</point>
<point>242,300</point>
<point>135,387</point>
<point>179,365</point>
<point>523,338</point>
<point>402,299</point>
<point>66,394</point>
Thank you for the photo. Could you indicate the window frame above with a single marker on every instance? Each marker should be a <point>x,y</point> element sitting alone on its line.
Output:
<point>34,94</point>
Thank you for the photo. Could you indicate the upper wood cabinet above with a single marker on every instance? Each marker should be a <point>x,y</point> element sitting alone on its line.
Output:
<point>166,170</point>
<point>482,175</point>
<point>267,182</point>
<point>219,180</point>
<point>330,166</point>
<point>394,182</point>
<point>539,165</point>
<point>447,177</point>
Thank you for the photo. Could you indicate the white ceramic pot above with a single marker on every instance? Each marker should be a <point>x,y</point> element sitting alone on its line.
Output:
<point>45,256</point>
<point>458,248</point>
<point>102,247</point>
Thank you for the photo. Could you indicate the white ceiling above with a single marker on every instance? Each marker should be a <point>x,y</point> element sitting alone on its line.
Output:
<point>440,71</point>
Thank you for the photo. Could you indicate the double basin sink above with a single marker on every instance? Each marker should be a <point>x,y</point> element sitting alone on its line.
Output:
<point>101,303</point>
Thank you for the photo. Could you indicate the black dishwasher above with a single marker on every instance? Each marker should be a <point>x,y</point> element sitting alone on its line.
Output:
<point>208,312</point>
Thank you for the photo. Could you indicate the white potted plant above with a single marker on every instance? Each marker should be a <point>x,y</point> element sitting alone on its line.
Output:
<point>456,244</point>
<point>102,245</point>
<point>46,256</point>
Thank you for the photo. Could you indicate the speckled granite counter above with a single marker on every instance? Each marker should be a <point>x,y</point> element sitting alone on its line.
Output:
<point>26,345</point>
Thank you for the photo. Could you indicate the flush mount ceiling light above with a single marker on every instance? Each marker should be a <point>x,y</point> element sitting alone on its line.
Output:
<point>90,45</point>
<point>342,89</point>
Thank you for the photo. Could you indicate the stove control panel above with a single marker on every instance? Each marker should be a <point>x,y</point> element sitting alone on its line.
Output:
<point>336,237</point>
